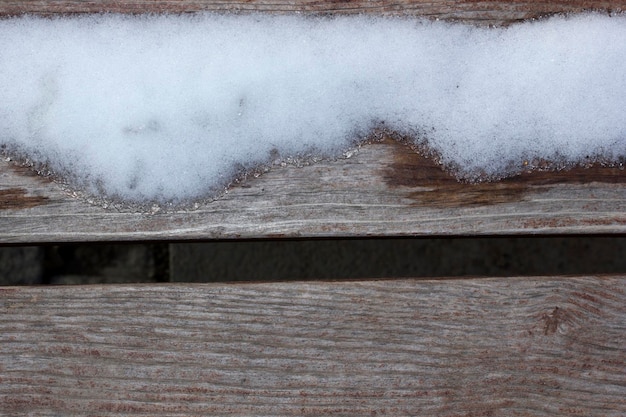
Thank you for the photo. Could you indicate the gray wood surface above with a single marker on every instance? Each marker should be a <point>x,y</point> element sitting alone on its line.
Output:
<point>385,189</point>
<point>477,11</point>
<point>480,347</point>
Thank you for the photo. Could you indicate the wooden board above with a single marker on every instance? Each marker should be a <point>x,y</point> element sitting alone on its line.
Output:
<point>481,347</point>
<point>477,11</point>
<point>385,189</point>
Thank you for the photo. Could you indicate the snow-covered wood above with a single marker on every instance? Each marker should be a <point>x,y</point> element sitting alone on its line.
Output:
<point>509,346</point>
<point>481,347</point>
<point>384,189</point>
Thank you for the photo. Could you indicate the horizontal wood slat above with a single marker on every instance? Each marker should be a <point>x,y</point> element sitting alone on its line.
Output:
<point>483,12</point>
<point>481,347</point>
<point>385,189</point>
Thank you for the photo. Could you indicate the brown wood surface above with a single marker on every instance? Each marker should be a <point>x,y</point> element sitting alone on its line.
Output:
<point>485,11</point>
<point>481,347</point>
<point>383,189</point>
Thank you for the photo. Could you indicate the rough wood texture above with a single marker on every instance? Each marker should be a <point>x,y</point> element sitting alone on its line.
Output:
<point>385,189</point>
<point>484,12</point>
<point>482,347</point>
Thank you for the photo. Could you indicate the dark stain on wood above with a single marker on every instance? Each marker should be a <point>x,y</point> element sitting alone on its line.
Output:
<point>26,170</point>
<point>438,188</point>
<point>17,198</point>
<point>551,321</point>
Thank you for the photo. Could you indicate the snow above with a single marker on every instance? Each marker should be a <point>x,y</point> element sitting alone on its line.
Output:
<point>171,108</point>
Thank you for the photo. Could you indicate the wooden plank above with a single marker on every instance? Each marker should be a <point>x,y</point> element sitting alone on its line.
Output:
<point>482,347</point>
<point>384,189</point>
<point>478,11</point>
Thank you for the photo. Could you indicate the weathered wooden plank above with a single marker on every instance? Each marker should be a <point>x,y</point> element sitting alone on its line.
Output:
<point>506,347</point>
<point>384,189</point>
<point>481,11</point>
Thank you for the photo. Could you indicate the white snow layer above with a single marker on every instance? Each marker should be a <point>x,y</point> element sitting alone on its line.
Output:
<point>171,107</point>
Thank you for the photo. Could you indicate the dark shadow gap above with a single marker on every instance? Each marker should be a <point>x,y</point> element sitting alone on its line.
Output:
<point>317,259</point>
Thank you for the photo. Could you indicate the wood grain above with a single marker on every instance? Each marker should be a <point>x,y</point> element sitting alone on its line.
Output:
<point>477,11</point>
<point>481,347</point>
<point>383,189</point>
